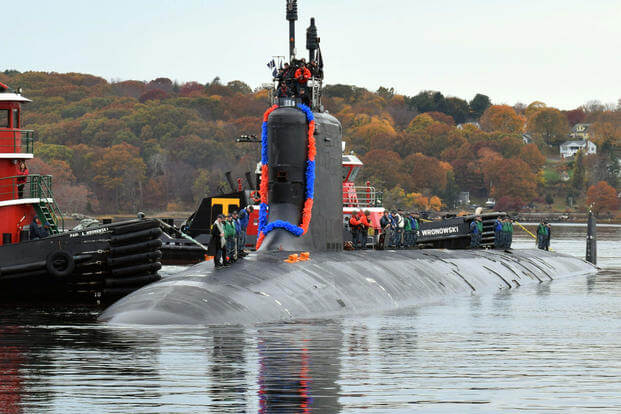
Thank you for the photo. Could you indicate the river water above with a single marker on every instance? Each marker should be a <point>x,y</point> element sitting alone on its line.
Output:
<point>555,347</point>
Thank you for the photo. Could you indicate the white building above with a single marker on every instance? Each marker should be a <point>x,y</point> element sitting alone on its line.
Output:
<point>569,148</point>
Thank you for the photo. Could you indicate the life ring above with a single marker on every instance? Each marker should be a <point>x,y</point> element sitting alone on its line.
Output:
<point>255,196</point>
<point>60,264</point>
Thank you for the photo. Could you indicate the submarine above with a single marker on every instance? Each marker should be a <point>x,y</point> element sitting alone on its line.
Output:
<point>299,269</point>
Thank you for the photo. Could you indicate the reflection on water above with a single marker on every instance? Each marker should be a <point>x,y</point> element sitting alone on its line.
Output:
<point>552,347</point>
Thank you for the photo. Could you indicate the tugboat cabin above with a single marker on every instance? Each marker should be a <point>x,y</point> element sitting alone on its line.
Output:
<point>22,196</point>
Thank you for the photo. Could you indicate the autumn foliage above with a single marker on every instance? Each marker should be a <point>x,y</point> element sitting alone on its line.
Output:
<point>133,145</point>
<point>602,197</point>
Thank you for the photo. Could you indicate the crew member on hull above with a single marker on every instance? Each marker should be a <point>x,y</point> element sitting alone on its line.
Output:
<point>385,223</point>
<point>415,228</point>
<point>399,224</point>
<point>217,244</point>
<point>238,246</point>
<point>354,228</point>
<point>230,235</point>
<point>365,221</point>
<point>507,229</point>
<point>407,230</point>
<point>498,241</point>
<point>546,244</point>
<point>542,235</point>
<point>476,231</point>
<point>244,218</point>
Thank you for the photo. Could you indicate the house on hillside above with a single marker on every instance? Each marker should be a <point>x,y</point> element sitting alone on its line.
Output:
<point>569,148</point>
<point>580,131</point>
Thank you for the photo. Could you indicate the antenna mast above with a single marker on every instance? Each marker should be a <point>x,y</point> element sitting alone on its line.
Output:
<point>292,16</point>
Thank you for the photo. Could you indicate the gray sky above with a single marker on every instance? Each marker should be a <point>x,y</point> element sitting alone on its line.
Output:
<point>562,52</point>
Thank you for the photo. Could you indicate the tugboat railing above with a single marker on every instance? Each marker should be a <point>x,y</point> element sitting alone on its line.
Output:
<point>361,196</point>
<point>19,141</point>
<point>32,186</point>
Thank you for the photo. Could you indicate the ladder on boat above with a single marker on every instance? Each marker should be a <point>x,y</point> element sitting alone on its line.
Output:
<point>46,208</point>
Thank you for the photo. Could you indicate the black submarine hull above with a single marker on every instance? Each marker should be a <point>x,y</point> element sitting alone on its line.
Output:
<point>265,288</point>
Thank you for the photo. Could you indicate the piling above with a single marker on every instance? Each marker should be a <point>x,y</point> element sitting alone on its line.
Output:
<point>591,240</point>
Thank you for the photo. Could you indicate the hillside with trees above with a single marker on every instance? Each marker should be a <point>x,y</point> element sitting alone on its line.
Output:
<point>159,145</point>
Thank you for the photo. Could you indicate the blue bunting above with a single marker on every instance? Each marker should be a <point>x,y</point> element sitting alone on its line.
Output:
<point>280,224</point>
<point>262,216</point>
<point>310,179</point>
<point>307,111</point>
<point>264,156</point>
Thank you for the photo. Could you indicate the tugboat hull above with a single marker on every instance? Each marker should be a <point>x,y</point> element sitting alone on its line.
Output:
<point>265,288</point>
<point>90,267</point>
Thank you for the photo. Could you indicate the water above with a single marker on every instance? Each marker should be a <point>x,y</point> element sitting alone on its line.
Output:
<point>549,348</point>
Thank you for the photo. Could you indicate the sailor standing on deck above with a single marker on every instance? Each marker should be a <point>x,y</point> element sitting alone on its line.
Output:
<point>230,234</point>
<point>354,227</point>
<point>498,242</point>
<point>217,243</point>
<point>415,228</point>
<point>476,230</point>
<point>399,224</point>
<point>384,238</point>
<point>542,235</point>
<point>238,232</point>
<point>407,230</point>
<point>244,218</point>
<point>546,244</point>
<point>365,223</point>
<point>508,230</point>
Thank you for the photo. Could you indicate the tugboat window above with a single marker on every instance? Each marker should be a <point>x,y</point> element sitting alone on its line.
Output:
<point>354,173</point>
<point>15,118</point>
<point>4,118</point>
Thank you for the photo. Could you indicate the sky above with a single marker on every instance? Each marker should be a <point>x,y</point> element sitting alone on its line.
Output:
<point>561,52</point>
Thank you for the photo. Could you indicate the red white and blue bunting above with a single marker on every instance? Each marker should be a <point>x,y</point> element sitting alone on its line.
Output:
<point>298,230</point>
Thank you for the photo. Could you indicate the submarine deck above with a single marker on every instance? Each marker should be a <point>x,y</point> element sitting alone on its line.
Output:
<point>264,288</point>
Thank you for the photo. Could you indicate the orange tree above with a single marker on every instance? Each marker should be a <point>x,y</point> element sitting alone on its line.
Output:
<point>602,197</point>
<point>501,118</point>
<point>549,124</point>
<point>512,178</point>
<point>531,155</point>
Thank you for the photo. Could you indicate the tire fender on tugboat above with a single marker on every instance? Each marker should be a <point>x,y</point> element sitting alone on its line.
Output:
<point>60,264</point>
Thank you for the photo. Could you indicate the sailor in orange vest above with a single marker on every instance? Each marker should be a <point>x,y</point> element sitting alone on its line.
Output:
<point>359,225</point>
<point>302,75</point>
<point>364,228</point>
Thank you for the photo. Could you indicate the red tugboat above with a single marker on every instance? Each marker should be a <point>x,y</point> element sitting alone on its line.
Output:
<point>94,266</point>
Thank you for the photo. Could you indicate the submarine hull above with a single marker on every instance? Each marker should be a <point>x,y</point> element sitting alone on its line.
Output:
<point>265,288</point>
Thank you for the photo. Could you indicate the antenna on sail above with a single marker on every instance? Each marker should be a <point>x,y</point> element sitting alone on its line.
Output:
<point>292,16</point>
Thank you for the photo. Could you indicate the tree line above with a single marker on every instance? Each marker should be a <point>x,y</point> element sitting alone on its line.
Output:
<point>159,145</point>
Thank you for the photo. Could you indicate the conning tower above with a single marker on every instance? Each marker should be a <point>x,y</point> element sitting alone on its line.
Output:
<point>301,157</point>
